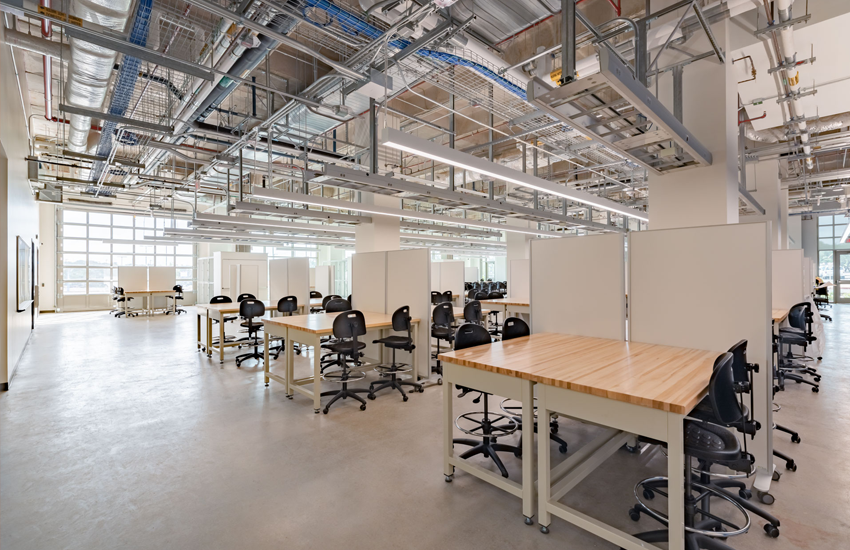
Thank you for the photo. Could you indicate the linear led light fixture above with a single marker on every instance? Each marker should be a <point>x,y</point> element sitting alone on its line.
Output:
<point>449,229</point>
<point>253,242</point>
<point>242,206</point>
<point>299,198</point>
<point>456,251</point>
<point>237,221</point>
<point>425,237</point>
<point>401,141</point>
<point>246,235</point>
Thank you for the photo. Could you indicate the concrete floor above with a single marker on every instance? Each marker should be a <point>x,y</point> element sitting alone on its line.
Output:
<point>118,434</point>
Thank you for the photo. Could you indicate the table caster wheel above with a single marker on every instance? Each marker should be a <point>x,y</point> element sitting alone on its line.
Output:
<point>290,397</point>
<point>777,476</point>
<point>544,529</point>
<point>267,384</point>
<point>820,358</point>
<point>791,465</point>
<point>362,408</point>
<point>528,521</point>
<point>771,530</point>
<point>439,381</point>
<point>795,438</point>
<point>765,498</point>
<point>634,514</point>
<point>448,479</point>
<point>632,449</point>
<point>316,411</point>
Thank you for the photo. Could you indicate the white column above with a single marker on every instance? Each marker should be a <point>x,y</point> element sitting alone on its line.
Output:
<point>763,184</point>
<point>706,195</point>
<point>383,233</point>
<point>519,244</point>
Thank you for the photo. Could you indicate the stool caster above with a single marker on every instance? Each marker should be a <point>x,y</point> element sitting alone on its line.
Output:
<point>791,465</point>
<point>795,438</point>
<point>771,530</point>
<point>634,513</point>
<point>544,529</point>
<point>449,478</point>
<point>362,407</point>
<point>765,498</point>
<point>815,389</point>
<point>528,521</point>
<point>745,494</point>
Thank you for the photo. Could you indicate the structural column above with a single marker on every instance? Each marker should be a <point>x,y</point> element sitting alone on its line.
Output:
<point>383,233</point>
<point>764,185</point>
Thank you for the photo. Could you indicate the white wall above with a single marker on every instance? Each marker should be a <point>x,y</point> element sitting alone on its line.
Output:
<point>20,211</point>
<point>47,257</point>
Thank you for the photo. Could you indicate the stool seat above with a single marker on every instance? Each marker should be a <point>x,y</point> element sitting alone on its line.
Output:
<point>395,342</point>
<point>345,346</point>
<point>442,332</point>
<point>255,324</point>
<point>711,442</point>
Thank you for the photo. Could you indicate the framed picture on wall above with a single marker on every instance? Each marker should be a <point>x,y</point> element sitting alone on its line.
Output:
<point>24,275</point>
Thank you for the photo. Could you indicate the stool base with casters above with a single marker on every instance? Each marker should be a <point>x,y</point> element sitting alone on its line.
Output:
<point>512,407</point>
<point>488,428</point>
<point>344,377</point>
<point>393,371</point>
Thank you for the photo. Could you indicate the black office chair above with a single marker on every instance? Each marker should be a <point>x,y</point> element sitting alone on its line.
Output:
<point>495,327</point>
<point>470,294</point>
<point>708,443</point>
<point>821,299</point>
<point>286,306</point>
<point>479,295</point>
<point>121,299</point>
<point>792,366</point>
<point>334,305</point>
<point>472,313</point>
<point>514,327</point>
<point>349,299</point>
<point>178,295</point>
<point>249,309</point>
<point>482,424</point>
<point>436,297</point>
<point>245,296</point>
<point>346,328</point>
<point>401,323</point>
<point>447,296</point>
<point>222,300</point>
<point>337,305</point>
<point>443,320</point>
<point>314,294</point>
<point>328,298</point>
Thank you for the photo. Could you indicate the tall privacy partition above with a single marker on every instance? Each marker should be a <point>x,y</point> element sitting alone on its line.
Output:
<point>470,274</point>
<point>325,283</point>
<point>790,282</point>
<point>519,279</point>
<point>290,277</point>
<point>384,281</point>
<point>236,273</point>
<point>578,286</point>
<point>450,276</point>
<point>133,278</point>
<point>161,278</point>
<point>708,288</point>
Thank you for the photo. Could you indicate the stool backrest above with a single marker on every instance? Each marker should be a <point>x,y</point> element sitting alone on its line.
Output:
<point>328,298</point>
<point>221,300</point>
<point>436,297</point>
<point>349,324</point>
<point>336,305</point>
<point>251,307</point>
<point>515,328</point>
<point>447,296</point>
<point>471,294</point>
<point>401,319</point>
<point>472,312</point>
<point>739,362</point>
<point>494,295</point>
<point>246,296</point>
<point>315,294</point>
<point>721,392</point>
<point>178,289</point>
<point>443,315</point>
<point>470,335</point>
<point>288,304</point>
<point>798,315</point>
<point>481,295</point>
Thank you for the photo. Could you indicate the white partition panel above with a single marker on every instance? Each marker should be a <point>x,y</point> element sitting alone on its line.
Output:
<point>519,279</point>
<point>162,278</point>
<point>452,277</point>
<point>578,286</point>
<point>789,278</point>
<point>470,274</point>
<point>435,277</point>
<point>324,279</point>
<point>408,284</point>
<point>708,288</point>
<point>368,277</point>
<point>133,278</point>
<point>278,280</point>
<point>298,270</point>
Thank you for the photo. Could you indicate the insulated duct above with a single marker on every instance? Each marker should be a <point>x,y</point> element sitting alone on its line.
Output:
<point>91,66</point>
<point>122,92</point>
<point>775,135</point>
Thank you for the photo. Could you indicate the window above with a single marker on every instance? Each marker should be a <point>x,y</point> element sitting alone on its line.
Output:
<point>89,265</point>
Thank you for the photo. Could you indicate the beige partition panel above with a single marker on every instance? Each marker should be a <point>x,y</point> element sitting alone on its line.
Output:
<point>278,280</point>
<point>133,278</point>
<point>789,278</point>
<point>578,286</point>
<point>408,285</point>
<point>162,278</point>
<point>435,277</point>
<point>519,279</point>
<point>452,277</point>
<point>298,271</point>
<point>708,288</point>
<point>369,289</point>
<point>324,279</point>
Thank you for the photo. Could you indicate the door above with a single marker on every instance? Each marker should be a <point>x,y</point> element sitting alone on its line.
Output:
<point>842,277</point>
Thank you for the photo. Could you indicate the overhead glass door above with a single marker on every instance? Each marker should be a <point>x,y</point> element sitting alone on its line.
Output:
<point>842,277</point>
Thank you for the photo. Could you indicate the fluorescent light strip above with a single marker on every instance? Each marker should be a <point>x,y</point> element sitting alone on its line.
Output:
<point>267,223</point>
<point>424,237</point>
<point>245,235</point>
<point>401,141</point>
<point>299,198</point>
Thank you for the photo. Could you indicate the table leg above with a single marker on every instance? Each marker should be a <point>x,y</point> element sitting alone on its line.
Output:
<point>448,430</point>
<point>544,468</point>
<point>209,334</point>
<point>415,357</point>
<point>676,480</point>
<point>198,319</point>
<point>266,357</point>
<point>317,376</point>
<point>220,339</point>
<point>289,361</point>
<point>528,449</point>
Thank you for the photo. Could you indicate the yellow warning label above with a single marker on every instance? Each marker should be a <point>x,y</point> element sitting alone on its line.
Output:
<point>62,16</point>
<point>795,80</point>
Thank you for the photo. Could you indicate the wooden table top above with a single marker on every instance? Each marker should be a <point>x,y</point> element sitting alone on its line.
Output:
<point>322,323</point>
<point>650,375</point>
<point>779,315</point>
<point>231,307</point>
<point>149,291</point>
<point>505,301</point>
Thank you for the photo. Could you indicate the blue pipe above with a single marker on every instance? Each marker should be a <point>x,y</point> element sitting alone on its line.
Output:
<point>125,84</point>
<point>355,26</point>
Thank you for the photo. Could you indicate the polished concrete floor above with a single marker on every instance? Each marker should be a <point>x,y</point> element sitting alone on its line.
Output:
<point>116,433</point>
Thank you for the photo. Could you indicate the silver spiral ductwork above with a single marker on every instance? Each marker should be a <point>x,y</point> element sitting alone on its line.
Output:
<point>90,66</point>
